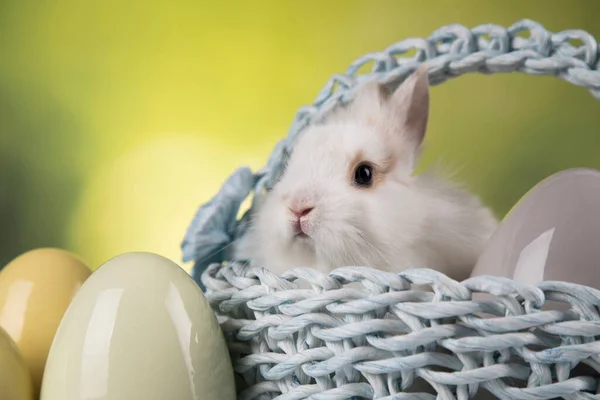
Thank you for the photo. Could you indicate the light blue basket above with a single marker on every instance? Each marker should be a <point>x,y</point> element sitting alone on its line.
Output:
<point>374,339</point>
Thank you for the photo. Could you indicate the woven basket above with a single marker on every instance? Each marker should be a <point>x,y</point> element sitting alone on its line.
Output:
<point>363,333</point>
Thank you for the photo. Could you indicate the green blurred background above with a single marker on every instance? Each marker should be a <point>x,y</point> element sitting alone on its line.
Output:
<point>117,119</point>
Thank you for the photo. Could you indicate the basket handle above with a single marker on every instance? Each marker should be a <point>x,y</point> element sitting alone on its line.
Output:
<point>450,51</point>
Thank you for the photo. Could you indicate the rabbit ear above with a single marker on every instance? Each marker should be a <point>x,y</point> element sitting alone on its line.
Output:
<point>409,106</point>
<point>370,100</point>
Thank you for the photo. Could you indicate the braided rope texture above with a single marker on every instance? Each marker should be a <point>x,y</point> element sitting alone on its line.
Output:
<point>451,51</point>
<point>361,333</point>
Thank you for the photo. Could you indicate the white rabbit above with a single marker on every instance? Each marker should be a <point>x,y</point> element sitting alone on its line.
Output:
<point>348,196</point>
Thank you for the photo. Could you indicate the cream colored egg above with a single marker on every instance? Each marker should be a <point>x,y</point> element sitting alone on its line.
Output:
<point>139,329</point>
<point>35,290</point>
<point>15,380</point>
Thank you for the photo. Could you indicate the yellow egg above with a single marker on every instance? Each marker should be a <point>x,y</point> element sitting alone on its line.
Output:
<point>139,329</point>
<point>35,290</point>
<point>15,380</point>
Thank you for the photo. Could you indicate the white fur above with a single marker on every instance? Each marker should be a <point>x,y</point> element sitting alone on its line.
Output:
<point>405,221</point>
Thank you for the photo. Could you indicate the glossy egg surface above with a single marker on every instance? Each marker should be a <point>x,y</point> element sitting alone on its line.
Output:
<point>35,291</point>
<point>15,380</point>
<point>551,234</point>
<point>139,329</point>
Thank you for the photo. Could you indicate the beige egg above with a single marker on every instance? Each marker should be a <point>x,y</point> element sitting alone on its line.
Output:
<point>15,380</point>
<point>139,329</point>
<point>35,290</point>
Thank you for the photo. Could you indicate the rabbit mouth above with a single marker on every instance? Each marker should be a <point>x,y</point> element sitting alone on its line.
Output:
<point>300,228</point>
<point>299,232</point>
<point>301,235</point>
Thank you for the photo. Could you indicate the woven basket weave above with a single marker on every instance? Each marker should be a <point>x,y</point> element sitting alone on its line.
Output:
<point>363,333</point>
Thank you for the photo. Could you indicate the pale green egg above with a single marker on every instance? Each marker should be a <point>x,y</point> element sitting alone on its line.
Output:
<point>139,329</point>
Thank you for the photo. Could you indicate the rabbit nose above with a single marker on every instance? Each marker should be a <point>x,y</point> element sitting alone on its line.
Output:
<point>301,204</point>
<point>300,212</point>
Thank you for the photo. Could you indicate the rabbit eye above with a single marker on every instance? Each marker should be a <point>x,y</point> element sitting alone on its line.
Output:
<point>363,175</point>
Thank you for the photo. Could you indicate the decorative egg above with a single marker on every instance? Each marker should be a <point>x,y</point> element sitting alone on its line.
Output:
<point>35,290</point>
<point>550,234</point>
<point>15,380</point>
<point>139,329</point>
